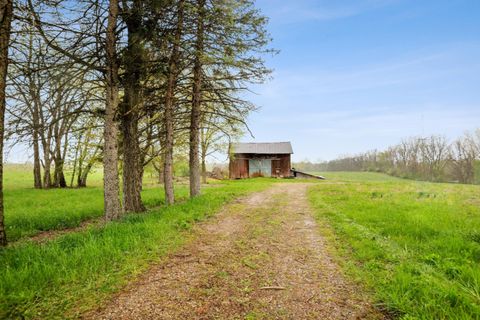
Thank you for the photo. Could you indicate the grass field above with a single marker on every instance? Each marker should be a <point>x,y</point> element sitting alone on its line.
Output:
<point>74,272</point>
<point>415,245</point>
<point>30,211</point>
<point>356,176</point>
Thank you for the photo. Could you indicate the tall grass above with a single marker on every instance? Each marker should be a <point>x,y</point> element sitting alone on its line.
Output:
<point>75,272</point>
<point>415,245</point>
<point>29,211</point>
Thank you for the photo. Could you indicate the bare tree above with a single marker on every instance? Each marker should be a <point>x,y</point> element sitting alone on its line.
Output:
<point>463,154</point>
<point>87,145</point>
<point>76,32</point>
<point>434,150</point>
<point>215,136</point>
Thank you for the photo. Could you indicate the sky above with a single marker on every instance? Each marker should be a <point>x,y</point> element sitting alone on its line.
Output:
<point>357,75</point>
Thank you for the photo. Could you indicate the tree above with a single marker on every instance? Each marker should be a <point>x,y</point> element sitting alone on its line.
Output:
<point>130,108</point>
<point>25,85</point>
<point>24,116</point>
<point>86,46</point>
<point>110,149</point>
<point>230,40</point>
<point>463,154</point>
<point>172,78</point>
<point>195,112</point>
<point>434,150</point>
<point>159,64</point>
<point>48,93</point>
<point>6,15</point>
<point>215,136</point>
<point>87,150</point>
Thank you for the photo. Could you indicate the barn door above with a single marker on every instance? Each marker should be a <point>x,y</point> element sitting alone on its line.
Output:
<point>260,167</point>
<point>276,168</point>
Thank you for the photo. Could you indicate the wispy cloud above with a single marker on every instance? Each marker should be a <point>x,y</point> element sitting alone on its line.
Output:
<point>287,11</point>
<point>329,111</point>
<point>416,70</point>
<point>355,75</point>
<point>328,134</point>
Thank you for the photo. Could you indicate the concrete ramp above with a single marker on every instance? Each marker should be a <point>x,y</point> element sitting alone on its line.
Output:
<point>304,175</point>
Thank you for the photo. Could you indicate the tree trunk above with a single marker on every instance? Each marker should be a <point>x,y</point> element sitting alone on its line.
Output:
<point>203,147</point>
<point>35,112</point>
<point>60,181</point>
<point>82,176</point>
<point>139,183</point>
<point>6,14</point>
<point>204,171</point>
<point>132,200</point>
<point>112,208</point>
<point>81,181</point>
<point>159,168</point>
<point>37,174</point>
<point>204,166</point>
<point>160,174</point>
<point>75,160</point>
<point>169,117</point>
<point>196,104</point>
<point>59,175</point>
<point>47,178</point>
<point>80,168</point>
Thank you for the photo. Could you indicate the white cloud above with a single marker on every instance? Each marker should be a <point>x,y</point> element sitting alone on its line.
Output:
<point>287,11</point>
<point>327,112</point>
<point>416,70</point>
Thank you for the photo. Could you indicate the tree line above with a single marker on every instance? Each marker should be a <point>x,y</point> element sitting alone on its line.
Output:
<point>125,83</point>
<point>432,158</point>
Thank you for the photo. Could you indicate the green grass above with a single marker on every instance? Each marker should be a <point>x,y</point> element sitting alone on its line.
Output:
<point>75,272</point>
<point>356,176</point>
<point>414,245</point>
<point>29,211</point>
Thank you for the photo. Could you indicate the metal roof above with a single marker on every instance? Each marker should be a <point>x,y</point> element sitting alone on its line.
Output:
<point>263,148</point>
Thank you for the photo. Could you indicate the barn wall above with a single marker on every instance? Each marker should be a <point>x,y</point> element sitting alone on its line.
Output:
<point>287,166</point>
<point>238,166</point>
<point>281,165</point>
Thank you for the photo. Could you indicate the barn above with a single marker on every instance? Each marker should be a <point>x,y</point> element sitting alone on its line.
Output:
<point>268,159</point>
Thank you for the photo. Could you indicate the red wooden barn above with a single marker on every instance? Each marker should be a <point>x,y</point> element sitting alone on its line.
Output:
<point>270,159</point>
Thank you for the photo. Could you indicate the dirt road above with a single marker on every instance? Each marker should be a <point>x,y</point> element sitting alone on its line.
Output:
<point>262,257</point>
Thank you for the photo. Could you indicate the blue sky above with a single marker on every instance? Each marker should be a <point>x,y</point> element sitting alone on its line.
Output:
<point>363,74</point>
<point>356,75</point>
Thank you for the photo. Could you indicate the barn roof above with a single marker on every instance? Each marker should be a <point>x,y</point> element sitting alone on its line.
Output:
<point>263,148</point>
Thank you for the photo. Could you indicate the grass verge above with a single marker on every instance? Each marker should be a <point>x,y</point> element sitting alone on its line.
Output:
<point>30,211</point>
<point>68,275</point>
<point>415,245</point>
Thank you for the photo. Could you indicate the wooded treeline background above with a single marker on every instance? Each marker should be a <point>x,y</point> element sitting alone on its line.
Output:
<point>128,84</point>
<point>431,158</point>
